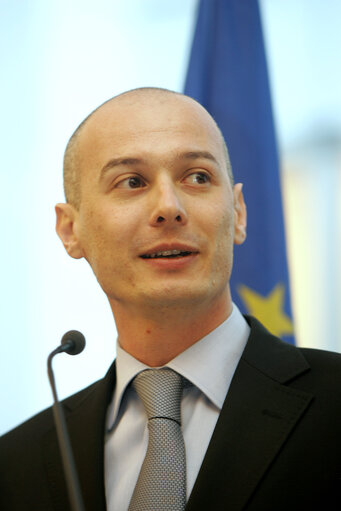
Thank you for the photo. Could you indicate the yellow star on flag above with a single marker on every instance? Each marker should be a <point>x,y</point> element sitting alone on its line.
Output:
<point>268,309</point>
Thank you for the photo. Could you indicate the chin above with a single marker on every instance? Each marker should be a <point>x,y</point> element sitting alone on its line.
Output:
<point>175,297</point>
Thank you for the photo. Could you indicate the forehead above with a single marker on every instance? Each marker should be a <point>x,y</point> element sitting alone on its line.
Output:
<point>154,125</point>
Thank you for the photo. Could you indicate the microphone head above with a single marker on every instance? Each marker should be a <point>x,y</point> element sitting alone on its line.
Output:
<point>75,341</point>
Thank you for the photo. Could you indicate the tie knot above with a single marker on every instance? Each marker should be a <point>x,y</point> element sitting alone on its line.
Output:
<point>160,391</point>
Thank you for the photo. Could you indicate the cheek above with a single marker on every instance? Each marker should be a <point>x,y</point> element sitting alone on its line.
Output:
<point>223,259</point>
<point>223,247</point>
<point>107,232</point>
<point>222,223</point>
<point>95,234</point>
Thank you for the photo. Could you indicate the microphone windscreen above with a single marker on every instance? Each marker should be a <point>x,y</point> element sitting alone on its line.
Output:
<point>76,341</point>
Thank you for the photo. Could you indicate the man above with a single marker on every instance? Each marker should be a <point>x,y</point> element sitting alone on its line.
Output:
<point>152,207</point>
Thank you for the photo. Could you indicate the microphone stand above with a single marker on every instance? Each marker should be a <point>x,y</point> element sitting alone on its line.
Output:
<point>72,481</point>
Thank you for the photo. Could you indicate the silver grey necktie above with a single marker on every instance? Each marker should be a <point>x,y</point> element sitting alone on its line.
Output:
<point>161,485</point>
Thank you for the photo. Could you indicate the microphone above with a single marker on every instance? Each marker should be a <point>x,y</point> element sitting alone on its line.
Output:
<point>72,343</point>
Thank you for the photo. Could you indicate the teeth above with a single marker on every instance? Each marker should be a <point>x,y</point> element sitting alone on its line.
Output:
<point>166,253</point>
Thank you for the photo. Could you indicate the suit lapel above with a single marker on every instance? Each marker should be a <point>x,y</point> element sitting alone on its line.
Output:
<point>85,417</point>
<point>258,415</point>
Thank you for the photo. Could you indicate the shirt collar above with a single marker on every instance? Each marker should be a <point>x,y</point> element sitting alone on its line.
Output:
<point>209,364</point>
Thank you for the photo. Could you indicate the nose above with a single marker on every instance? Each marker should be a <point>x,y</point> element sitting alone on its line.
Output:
<point>167,208</point>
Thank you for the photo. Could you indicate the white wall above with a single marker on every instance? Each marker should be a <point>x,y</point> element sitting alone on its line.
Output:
<point>61,59</point>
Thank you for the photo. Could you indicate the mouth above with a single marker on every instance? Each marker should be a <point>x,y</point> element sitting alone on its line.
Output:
<point>168,254</point>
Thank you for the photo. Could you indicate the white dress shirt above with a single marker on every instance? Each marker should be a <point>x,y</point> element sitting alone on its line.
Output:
<point>209,365</point>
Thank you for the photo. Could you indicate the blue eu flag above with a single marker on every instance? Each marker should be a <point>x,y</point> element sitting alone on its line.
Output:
<point>227,74</point>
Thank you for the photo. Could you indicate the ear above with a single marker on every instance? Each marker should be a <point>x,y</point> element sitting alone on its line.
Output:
<point>66,227</point>
<point>239,214</point>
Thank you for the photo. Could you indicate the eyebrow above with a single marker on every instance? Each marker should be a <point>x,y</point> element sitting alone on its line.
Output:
<point>187,155</point>
<point>115,162</point>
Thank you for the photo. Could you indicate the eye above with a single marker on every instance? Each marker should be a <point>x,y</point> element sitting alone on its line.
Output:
<point>131,182</point>
<point>198,178</point>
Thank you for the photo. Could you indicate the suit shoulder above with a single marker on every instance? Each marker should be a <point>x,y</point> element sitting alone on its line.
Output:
<point>285,362</point>
<point>33,428</point>
<point>325,366</point>
<point>324,357</point>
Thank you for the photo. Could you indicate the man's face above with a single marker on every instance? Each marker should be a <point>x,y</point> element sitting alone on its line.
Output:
<point>157,214</point>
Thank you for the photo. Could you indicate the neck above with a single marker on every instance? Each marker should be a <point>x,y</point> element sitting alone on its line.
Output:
<point>156,338</point>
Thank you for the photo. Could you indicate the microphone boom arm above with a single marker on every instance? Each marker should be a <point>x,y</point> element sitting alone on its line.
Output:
<point>72,481</point>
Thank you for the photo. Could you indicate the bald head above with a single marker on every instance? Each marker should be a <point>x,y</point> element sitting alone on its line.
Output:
<point>110,112</point>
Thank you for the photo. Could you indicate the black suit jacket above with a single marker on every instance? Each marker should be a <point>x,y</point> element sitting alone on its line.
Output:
<point>276,445</point>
